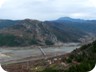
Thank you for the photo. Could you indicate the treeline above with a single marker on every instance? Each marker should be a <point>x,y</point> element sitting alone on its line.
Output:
<point>12,40</point>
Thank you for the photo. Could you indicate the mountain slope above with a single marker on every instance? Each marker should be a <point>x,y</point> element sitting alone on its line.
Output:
<point>88,26</point>
<point>33,32</point>
<point>80,60</point>
<point>30,32</point>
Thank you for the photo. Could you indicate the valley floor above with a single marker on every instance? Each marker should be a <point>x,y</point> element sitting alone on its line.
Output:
<point>82,59</point>
<point>20,54</point>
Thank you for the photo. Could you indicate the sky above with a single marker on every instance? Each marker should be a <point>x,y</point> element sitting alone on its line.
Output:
<point>47,9</point>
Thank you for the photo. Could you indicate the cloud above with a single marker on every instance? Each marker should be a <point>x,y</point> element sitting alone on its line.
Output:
<point>47,9</point>
<point>2,2</point>
<point>91,3</point>
<point>77,14</point>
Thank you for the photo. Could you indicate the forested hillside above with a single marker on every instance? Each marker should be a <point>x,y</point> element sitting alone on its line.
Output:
<point>29,32</point>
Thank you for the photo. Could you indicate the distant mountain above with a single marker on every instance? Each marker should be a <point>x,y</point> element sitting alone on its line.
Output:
<point>69,19</point>
<point>33,32</point>
<point>6,23</point>
<point>88,26</point>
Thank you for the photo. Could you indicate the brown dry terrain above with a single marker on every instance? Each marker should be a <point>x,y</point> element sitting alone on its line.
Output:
<point>81,60</point>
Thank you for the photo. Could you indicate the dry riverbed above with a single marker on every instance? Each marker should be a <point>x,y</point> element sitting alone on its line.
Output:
<point>22,54</point>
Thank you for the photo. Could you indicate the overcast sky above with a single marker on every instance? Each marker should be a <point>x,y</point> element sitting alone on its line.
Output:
<point>47,9</point>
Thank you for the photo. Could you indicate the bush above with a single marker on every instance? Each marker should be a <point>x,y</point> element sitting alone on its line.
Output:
<point>33,42</point>
<point>47,42</point>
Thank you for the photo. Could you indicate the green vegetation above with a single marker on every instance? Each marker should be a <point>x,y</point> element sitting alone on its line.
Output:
<point>84,66</point>
<point>33,42</point>
<point>85,57</point>
<point>51,70</point>
<point>12,40</point>
<point>9,40</point>
<point>47,42</point>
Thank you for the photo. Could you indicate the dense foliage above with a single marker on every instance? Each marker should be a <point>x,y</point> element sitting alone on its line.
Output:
<point>9,40</point>
<point>12,40</point>
<point>47,42</point>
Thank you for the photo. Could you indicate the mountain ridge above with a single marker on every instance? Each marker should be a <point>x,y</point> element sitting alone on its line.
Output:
<point>34,32</point>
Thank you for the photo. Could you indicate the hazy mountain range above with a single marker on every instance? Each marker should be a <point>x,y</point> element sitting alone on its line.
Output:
<point>34,32</point>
